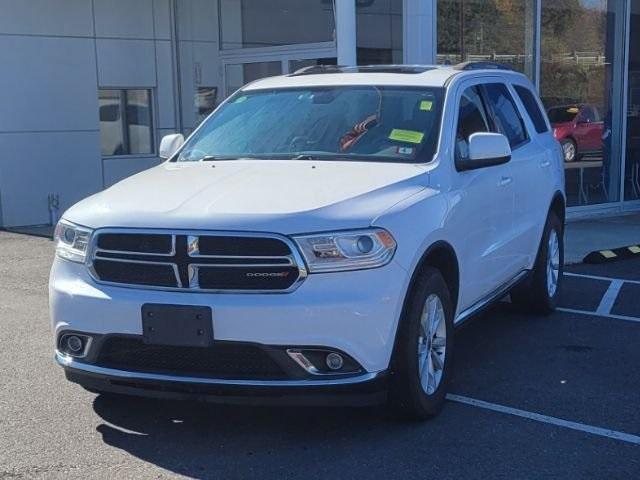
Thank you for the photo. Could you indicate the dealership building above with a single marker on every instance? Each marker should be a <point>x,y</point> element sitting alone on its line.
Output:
<point>89,87</point>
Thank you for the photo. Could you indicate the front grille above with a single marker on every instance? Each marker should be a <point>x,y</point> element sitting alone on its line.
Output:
<point>232,360</point>
<point>137,243</point>
<point>196,261</point>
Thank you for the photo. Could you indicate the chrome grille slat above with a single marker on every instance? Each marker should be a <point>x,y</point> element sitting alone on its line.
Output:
<point>274,273</point>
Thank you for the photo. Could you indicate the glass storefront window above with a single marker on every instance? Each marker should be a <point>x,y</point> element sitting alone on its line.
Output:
<point>205,102</point>
<point>487,30</point>
<point>632,168</point>
<point>260,23</point>
<point>578,64</point>
<point>379,31</point>
<point>240,74</point>
<point>125,122</point>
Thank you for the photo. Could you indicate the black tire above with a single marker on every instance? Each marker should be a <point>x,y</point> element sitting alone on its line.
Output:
<point>568,142</point>
<point>406,393</point>
<point>533,294</point>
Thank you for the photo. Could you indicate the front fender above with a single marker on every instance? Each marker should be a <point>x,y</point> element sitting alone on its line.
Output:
<point>416,223</point>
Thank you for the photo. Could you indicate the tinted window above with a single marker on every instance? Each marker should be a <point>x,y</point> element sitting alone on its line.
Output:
<point>562,114</point>
<point>531,105</point>
<point>506,116</point>
<point>472,118</point>
<point>588,115</point>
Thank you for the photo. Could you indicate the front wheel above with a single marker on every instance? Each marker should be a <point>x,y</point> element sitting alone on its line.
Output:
<point>540,292</point>
<point>423,355</point>
<point>569,149</point>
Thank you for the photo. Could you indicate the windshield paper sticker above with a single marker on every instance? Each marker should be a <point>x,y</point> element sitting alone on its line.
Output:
<point>405,150</point>
<point>426,105</point>
<point>240,99</point>
<point>408,136</point>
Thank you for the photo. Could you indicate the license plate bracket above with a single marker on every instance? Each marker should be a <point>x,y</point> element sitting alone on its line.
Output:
<point>177,325</point>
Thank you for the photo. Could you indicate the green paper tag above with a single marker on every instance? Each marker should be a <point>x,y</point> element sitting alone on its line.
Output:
<point>408,136</point>
<point>426,105</point>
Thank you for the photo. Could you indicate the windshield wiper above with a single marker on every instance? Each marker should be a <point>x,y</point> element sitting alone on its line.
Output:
<point>313,155</point>
<point>210,158</point>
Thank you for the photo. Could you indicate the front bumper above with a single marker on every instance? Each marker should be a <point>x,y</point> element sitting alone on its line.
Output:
<point>352,312</point>
<point>361,390</point>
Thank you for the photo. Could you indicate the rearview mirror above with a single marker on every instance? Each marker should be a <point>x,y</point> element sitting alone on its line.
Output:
<point>170,145</point>
<point>485,149</point>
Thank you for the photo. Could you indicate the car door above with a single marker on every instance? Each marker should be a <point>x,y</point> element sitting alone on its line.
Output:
<point>482,207</point>
<point>533,174</point>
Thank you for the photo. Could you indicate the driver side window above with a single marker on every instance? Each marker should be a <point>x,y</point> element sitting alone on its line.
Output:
<point>472,118</point>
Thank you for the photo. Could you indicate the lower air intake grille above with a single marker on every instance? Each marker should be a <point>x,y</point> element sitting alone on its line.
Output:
<point>231,360</point>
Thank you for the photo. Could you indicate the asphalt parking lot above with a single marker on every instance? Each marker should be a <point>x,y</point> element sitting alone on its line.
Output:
<point>532,397</point>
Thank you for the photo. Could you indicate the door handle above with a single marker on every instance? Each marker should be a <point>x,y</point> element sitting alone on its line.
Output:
<point>505,181</point>
<point>545,163</point>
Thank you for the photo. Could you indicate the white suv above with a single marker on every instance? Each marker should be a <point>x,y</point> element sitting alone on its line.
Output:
<point>316,240</point>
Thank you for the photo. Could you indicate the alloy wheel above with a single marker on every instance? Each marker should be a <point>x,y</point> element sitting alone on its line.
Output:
<point>432,344</point>
<point>553,263</point>
<point>569,151</point>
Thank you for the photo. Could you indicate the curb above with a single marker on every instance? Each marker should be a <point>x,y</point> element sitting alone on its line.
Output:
<point>622,253</point>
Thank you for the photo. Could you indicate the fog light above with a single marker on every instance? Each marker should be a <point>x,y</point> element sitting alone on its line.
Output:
<point>74,344</point>
<point>334,361</point>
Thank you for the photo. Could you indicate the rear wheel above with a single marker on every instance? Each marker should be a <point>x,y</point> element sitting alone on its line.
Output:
<point>540,292</point>
<point>424,348</point>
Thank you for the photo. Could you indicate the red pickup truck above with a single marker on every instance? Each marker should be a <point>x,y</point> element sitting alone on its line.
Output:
<point>578,128</point>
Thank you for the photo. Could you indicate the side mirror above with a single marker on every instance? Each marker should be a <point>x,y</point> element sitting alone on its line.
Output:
<point>485,150</point>
<point>170,145</point>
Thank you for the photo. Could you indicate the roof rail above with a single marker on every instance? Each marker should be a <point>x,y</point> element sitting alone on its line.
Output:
<point>313,69</point>
<point>482,66</point>
<point>318,69</point>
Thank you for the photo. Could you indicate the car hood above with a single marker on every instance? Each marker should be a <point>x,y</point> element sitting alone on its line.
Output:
<point>285,196</point>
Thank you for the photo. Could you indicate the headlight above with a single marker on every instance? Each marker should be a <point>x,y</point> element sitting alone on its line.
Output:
<point>72,241</point>
<point>349,250</point>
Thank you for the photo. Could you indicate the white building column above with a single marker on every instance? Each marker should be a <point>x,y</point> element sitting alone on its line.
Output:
<point>346,31</point>
<point>420,31</point>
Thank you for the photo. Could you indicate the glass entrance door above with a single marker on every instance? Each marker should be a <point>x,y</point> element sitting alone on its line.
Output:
<point>260,39</point>
<point>632,167</point>
<point>238,70</point>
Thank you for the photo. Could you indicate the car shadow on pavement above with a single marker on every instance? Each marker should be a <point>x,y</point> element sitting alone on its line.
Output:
<point>205,440</point>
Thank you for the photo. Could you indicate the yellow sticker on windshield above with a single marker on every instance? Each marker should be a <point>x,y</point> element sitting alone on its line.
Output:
<point>426,105</point>
<point>240,99</point>
<point>409,136</point>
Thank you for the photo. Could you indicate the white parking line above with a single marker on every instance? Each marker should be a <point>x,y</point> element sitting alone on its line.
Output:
<point>581,427</point>
<point>609,297</point>
<point>594,314</point>
<point>597,277</point>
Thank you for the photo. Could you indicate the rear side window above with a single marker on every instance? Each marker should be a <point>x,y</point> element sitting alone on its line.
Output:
<point>532,107</point>
<point>472,118</point>
<point>506,116</point>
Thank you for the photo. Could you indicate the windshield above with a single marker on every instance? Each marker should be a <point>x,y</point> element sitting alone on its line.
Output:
<point>393,124</point>
<point>563,114</point>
